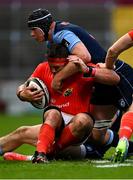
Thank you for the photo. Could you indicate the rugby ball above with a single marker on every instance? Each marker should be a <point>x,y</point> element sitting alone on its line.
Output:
<point>39,85</point>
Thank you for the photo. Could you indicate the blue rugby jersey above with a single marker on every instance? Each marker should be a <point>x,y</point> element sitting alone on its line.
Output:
<point>71,34</point>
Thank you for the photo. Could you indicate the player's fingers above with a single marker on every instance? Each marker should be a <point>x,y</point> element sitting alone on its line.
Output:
<point>38,98</point>
<point>31,88</point>
<point>37,92</point>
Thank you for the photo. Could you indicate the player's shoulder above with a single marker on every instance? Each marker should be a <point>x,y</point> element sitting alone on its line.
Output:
<point>43,65</point>
<point>62,33</point>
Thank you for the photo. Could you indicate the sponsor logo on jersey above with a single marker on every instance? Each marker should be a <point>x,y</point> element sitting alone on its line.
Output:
<point>65,42</point>
<point>122,103</point>
<point>68,92</point>
<point>67,104</point>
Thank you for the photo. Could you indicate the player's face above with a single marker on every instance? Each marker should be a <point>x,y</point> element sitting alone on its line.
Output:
<point>37,34</point>
<point>57,64</point>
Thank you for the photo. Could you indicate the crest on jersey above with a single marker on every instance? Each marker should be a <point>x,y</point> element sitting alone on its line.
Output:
<point>68,92</point>
<point>122,103</point>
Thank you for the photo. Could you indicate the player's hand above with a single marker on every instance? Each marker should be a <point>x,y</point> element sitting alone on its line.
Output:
<point>101,65</point>
<point>78,62</point>
<point>30,94</point>
<point>57,84</point>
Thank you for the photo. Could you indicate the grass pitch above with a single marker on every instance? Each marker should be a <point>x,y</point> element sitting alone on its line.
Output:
<point>57,169</point>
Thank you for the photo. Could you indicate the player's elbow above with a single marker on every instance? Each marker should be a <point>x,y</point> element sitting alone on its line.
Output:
<point>86,57</point>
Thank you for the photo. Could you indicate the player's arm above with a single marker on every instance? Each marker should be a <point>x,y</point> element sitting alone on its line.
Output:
<point>117,48</point>
<point>106,76</point>
<point>81,51</point>
<point>75,47</point>
<point>100,73</point>
<point>66,72</point>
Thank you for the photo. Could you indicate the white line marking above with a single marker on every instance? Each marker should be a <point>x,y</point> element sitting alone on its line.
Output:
<point>100,161</point>
<point>114,165</point>
<point>107,161</point>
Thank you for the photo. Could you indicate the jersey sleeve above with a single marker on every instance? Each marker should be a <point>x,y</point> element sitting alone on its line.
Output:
<point>131,34</point>
<point>68,38</point>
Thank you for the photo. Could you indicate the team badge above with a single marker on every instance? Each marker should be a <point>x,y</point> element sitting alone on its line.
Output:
<point>122,103</point>
<point>68,92</point>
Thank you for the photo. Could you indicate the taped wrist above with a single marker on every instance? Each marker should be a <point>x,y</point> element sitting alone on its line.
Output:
<point>90,72</point>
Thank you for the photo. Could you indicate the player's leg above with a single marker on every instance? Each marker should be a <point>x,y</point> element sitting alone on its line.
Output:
<point>76,152</point>
<point>125,132</point>
<point>52,125</point>
<point>125,87</point>
<point>76,131</point>
<point>102,136</point>
<point>113,139</point>
<point>79,152</point>
<point>22,135</point>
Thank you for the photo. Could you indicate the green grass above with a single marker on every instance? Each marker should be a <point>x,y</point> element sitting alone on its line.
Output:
<point>57,169</point>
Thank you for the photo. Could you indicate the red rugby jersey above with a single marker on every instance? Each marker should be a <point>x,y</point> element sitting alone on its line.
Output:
<point>77,90</point>
<point>131,34</point>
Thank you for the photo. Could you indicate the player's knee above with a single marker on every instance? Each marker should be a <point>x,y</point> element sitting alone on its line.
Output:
<point>53,117</point>
<point>84,122</point>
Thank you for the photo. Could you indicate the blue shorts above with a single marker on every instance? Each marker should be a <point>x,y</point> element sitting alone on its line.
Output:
<point>120,95</point>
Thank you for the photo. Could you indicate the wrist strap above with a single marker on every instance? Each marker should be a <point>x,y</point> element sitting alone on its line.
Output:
<point>91,71</point>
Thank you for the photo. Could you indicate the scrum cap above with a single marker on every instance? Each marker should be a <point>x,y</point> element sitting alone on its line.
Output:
<point>40,18</point>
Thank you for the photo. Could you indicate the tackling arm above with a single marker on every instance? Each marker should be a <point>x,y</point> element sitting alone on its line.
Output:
<point>82,52</point>
<point>106,76</point>
<point>79,50</point>
<point>100,73</point>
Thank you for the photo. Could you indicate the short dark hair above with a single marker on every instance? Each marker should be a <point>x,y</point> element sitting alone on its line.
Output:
<point>57,51</point>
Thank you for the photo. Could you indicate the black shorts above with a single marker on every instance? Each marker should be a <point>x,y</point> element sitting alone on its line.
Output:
<point>120,95</point>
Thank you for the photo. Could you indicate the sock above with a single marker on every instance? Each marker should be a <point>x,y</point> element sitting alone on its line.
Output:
<point>111,137</point>
<point>29,158</point>
<point>114,143</point>
<point>126,128</point>
<point>82,151</point>
<point>46,138</point>
<point>116,125</point>
<point>66,138</point>
<point>115,139</point>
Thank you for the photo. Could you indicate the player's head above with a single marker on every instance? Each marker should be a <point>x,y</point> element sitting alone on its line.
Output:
<point>42,19</point>
<point>57,57</point>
